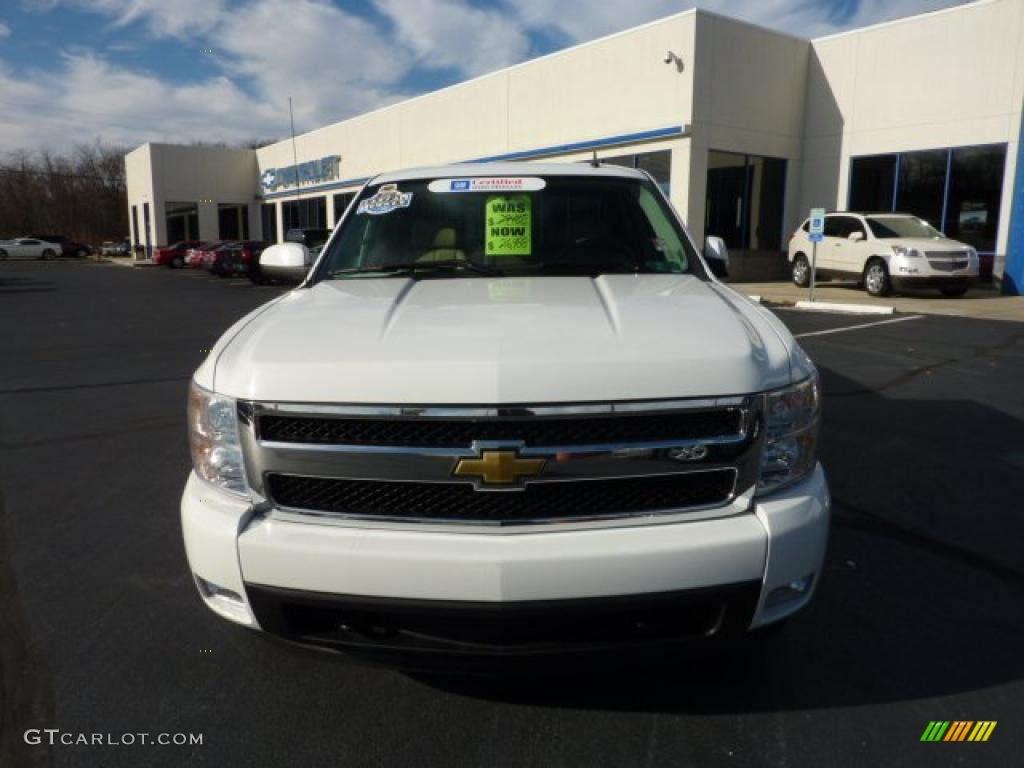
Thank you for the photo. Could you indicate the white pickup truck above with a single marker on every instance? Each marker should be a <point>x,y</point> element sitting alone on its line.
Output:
<point>509,412</point>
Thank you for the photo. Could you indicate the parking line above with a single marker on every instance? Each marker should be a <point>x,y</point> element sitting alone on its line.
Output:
<point>855,327</point>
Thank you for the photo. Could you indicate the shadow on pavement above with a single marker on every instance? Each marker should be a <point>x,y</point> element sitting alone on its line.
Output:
<point>26,694</point>
<point>921,594</point>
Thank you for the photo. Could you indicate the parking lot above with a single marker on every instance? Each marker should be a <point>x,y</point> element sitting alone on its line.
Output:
<point>918,617</point>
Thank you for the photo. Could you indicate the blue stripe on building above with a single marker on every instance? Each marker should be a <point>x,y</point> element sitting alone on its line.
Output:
<point>526,154</point>
<point>1013,273</point>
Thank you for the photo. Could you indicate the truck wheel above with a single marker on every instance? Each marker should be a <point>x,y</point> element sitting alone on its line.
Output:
<point>48,254</point>
<point>954,290</point>
<point>801,271</point>
<point>876,278</point>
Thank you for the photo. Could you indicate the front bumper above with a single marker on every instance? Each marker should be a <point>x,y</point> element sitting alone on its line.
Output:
<point>412,591</point>
<point>918,282</point>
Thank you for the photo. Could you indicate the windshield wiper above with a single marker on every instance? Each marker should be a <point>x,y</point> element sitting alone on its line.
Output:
<point>447,265</point>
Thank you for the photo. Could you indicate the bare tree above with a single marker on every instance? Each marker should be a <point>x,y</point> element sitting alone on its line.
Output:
<point>80,193</point>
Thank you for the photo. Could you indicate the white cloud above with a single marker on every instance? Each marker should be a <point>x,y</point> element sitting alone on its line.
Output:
<point>453,34</point>
<point>162,18</point>
<point>5,31</point>
<point>580,20</point>
<point>90,99</point>
<point>333,62</point>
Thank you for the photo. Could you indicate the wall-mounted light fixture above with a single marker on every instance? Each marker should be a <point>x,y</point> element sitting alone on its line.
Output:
<point>673,57</point>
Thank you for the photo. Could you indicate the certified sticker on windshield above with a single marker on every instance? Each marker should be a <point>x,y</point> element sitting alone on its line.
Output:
<point>509,225</point>
<point>386,199</point>
<point>489,184</point>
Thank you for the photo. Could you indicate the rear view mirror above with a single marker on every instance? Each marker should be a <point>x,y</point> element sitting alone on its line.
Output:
<point>717,256</point>
<point>288,262</point>
<point>855,236</point>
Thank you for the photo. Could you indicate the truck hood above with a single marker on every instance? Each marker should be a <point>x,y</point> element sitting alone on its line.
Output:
<point>504,340</point>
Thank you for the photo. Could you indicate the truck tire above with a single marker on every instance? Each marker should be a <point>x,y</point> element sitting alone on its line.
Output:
<point>801,271</point>
<point>876,278</point>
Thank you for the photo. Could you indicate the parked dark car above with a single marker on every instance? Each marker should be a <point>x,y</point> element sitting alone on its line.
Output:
<point>68,247</point>
<point>308,236</point>
<point>116,248</point>
<point>174,255</point>
<point>236,258</point>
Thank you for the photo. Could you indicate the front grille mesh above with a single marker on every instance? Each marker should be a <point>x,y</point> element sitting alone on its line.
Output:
<point>947,266</point>
<point>538,501</point>
<point>534,431</point>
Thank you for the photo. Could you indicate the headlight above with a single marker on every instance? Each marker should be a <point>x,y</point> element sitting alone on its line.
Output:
<point>791,442</point>
<point>213,438</point>
<point>910,253</point>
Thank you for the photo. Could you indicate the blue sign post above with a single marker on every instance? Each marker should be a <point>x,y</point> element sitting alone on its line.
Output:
<point>817,231</point>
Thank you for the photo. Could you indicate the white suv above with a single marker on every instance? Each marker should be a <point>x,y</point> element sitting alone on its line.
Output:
<point>885,251</point>
<point>509,412</point>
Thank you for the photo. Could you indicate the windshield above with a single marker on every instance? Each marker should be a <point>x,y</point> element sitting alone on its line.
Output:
<point>509,225</point>
<point>901,226</point>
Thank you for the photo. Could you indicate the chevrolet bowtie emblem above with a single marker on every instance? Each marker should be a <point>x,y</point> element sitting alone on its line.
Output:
<point>495,468</point>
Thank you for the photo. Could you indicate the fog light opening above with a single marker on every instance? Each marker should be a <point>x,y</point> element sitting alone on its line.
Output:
<point>795,591</point>
<point>215,592</point>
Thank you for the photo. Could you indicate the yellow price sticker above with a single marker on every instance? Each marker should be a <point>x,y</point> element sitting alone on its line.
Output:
<point>509,225</point>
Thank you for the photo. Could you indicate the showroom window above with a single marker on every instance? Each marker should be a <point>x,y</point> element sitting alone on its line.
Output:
<point>307,213</point>
<point>745,195</point>
<point>182,221</point>
<point>268,221</point>
<point>341,202</point>
<point>233,221</point>
<point>957,190</point>
<point>658,164</point>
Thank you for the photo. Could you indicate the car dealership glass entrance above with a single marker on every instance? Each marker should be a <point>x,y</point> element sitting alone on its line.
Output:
<point>957,190</point>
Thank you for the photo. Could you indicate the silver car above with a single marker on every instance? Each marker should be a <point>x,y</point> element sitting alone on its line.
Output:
<point>30,248</point>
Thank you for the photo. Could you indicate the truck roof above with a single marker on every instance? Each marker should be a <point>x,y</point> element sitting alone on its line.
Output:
<point>464,170</point>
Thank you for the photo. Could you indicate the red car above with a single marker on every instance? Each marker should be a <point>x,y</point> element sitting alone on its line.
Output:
<point>174,255</point>
<point>197,257</point>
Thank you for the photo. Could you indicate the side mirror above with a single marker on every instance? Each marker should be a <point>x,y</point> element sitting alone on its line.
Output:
<point>717,256</point>
<point>288,262</point>
<point>856,236</point>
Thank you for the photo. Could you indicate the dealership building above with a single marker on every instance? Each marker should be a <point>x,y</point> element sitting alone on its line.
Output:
<point>745,128</point>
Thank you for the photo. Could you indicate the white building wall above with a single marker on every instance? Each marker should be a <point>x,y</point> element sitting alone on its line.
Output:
<point>206,175</point>
<point>949,78</point>
<point>748,99</point>
<point>611,87</point>
<point>139,181</point>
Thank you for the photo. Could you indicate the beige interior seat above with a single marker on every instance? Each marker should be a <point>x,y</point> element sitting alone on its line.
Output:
<point>444,247</point>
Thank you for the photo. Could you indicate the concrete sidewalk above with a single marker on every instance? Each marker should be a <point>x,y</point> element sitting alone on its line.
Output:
<point>980,302</point>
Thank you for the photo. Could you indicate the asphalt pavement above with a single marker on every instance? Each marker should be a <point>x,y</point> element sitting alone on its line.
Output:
<point>919,616</point>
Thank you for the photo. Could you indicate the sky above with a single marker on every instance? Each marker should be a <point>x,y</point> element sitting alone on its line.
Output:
<point>130,71</point>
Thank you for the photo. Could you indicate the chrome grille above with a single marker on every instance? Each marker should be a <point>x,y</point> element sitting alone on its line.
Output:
<point>947,261</point>
<point>374,465</point>
<point>448,433</point>
<point>538,501</point>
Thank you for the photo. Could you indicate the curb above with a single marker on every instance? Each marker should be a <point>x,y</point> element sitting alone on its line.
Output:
<point>848,309</point>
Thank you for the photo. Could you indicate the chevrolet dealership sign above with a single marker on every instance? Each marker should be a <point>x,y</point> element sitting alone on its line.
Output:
<point>324,169</point>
